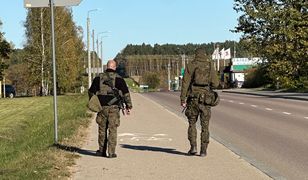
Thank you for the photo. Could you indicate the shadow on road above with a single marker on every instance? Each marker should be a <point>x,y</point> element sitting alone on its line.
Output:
<point>75,149</point>
<point>155,149</point>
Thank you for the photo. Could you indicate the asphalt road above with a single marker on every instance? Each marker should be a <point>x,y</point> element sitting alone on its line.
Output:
<point>270,133</point>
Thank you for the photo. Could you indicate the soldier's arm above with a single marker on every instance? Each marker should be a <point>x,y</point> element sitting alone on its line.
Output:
<point>94,87</point>
<point>214,78</point>
<point>121,85</point>
<point>186,82</point>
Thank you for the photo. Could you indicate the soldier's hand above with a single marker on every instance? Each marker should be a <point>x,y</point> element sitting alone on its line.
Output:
<point>183,104</point>
<point>127,111</point>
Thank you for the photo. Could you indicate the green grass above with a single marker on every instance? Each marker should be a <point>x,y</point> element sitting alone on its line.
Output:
<point>27,135</point>
<point>133,86</point>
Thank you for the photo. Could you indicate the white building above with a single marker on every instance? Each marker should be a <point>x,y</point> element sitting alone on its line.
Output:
<point>238,68</point>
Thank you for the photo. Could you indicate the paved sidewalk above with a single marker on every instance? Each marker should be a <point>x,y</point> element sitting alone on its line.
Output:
<point>152,144</point>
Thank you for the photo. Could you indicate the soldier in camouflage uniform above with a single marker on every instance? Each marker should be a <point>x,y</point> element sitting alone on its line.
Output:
<point>108,119</point>
<point>199,77</point>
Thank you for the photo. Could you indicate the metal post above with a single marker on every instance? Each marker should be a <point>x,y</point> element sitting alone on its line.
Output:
<point>54,70</point>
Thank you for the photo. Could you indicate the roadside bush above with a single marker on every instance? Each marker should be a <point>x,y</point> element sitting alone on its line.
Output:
<point>255,77</point>
<point>151,79</point>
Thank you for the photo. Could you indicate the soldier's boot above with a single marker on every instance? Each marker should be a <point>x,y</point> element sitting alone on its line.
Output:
<point>193,150</point>
<point>102,152</point>
<point>203,150</point>
<point>111,152</point>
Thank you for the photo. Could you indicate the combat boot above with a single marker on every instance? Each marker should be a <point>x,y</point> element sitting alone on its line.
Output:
<point>111,152</point>
<point>203,151</point>
<point>112,155</point>
<point>193,150</point>
<point>101,153</point>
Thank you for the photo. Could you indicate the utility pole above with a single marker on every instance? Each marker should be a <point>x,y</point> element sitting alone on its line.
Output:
<point>93,52</point>
<point>54,71</point>
<point>101,47</point>
<point>183,60</point>
<point>88,47</point>
<point>97,62</point>
<point>169,81</point>
<point>89,55</point>
<point>177,75</point>
<point>102,65</point>
<point>234,53</point>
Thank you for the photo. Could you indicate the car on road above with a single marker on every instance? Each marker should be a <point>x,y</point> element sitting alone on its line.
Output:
<point>9,91</point>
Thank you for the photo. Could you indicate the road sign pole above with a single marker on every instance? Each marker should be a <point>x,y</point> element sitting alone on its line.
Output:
<point>51,3</point>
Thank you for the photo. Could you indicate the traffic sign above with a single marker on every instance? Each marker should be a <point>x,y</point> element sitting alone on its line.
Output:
<point>51,4</point>
<point>45,3</point>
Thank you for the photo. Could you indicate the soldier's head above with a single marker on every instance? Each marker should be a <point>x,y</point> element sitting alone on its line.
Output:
<point>200,54</point>
<point>111,64</point>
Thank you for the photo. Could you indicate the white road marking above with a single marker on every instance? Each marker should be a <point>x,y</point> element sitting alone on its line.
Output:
<point>222,99</point>
<point>241,103</point>
<point>160,135</point>
<point>231,101</point>
<point>287,113</point>
<point>126,134</point>
<point>254,105</point>
<point>269,109</point>
<point>306,117</point>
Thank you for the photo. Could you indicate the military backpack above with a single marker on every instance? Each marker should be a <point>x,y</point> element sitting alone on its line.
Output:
<point>202,77</point>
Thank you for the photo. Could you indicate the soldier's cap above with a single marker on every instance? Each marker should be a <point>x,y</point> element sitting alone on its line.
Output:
<point>200,50</point>
<point>200,53</point>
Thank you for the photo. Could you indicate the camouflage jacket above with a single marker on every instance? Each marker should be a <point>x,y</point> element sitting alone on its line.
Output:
<point>199,73</point>
<point>103,91</point>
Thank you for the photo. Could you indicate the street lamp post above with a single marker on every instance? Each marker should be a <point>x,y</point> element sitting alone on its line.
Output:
<point>93,53</point>
<point>88,47</point>
<point>101,47</point>
<point>102,64</point>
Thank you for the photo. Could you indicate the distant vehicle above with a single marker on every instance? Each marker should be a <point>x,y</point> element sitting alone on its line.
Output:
<point>9,91</point>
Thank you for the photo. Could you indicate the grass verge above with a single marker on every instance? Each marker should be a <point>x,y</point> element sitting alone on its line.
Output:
<point>27,136</point>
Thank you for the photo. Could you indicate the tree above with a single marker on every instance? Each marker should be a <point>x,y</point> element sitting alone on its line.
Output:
<point>69,49</point>
<point>151,79</point>
<point>5,50</point>
<point>277,31</point>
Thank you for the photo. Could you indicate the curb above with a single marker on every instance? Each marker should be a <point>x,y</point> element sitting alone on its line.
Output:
<point>277,95</point>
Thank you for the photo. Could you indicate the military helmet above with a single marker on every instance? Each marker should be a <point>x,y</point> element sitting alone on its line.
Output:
<point>200,54</point>
<point>216,99</point>
<point>211,98</point>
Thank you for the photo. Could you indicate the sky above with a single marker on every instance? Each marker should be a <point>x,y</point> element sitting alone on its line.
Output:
<point>138,21</point>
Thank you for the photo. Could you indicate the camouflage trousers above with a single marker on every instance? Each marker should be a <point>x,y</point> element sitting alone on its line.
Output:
<point>108,121</point>
<point>193,111</point>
